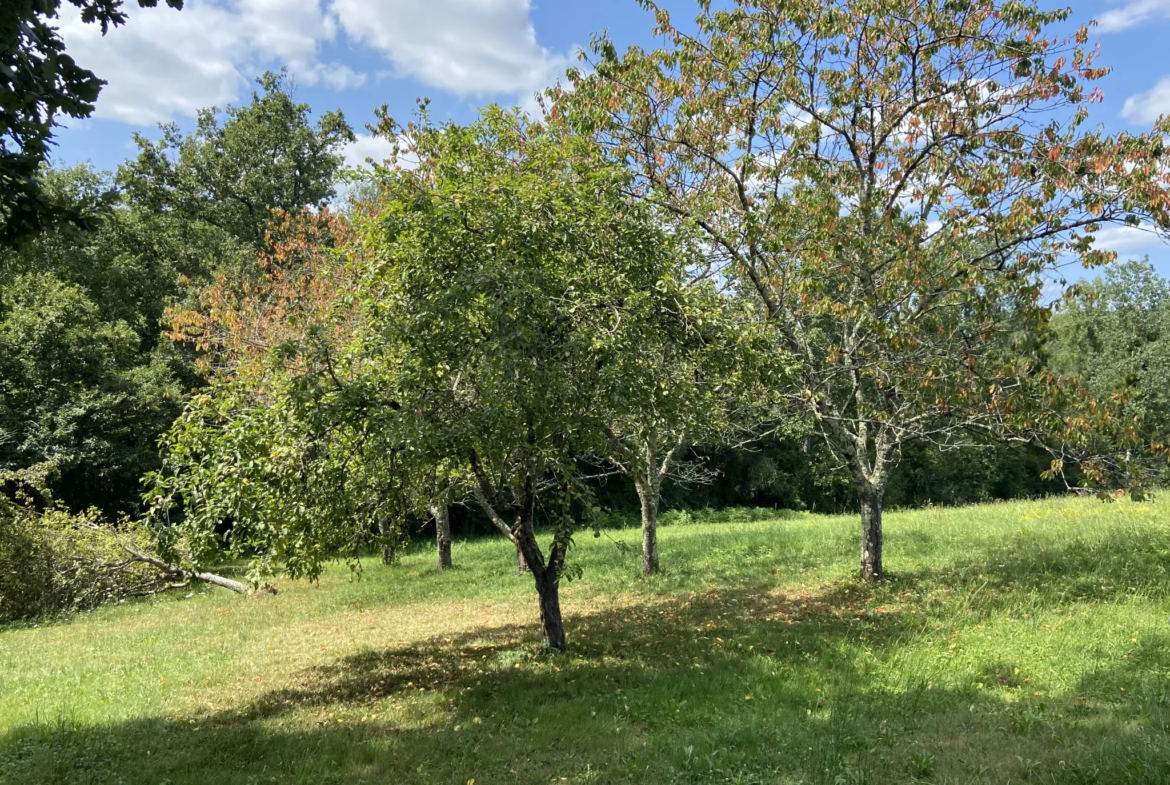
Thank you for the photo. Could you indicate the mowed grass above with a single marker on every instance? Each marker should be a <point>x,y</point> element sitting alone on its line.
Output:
<point>1021,642</point>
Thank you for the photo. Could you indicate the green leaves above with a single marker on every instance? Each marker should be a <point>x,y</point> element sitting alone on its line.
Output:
<point>38,83</point>
<point>265,156</point>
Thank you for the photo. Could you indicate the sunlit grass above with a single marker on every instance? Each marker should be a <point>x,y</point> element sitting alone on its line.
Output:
<point>1022,642</point>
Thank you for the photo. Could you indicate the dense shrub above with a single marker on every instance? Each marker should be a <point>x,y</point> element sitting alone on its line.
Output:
<point>53,561</point>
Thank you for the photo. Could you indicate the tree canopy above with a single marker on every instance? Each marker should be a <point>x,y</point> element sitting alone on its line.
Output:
<point>505,285</point>
<point>90,382</point>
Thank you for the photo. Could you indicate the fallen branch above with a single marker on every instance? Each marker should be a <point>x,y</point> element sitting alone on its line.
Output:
<point>179,572</point>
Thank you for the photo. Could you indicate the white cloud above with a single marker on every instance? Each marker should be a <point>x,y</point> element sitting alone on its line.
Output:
<point>162,64</point>
<point>336,75</point>
<point>1133,14</point>
<point>367,146</point>
<point>165,64</point>
<point>466,47</point>
<point>1127,239</point>
<point>1147,107</point>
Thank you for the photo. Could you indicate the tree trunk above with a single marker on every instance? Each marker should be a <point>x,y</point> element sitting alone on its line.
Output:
<point>649,494</point>
<point>551,626</point>
<point>442,516</point>
<point>871,535</point>
<point>389,552</point>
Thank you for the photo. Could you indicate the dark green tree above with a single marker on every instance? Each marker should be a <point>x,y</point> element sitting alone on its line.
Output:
<point>90,381</point>
<point>232,173</point>
<point>39,82</point>
<point>1114,336</point>
<point>85,385</point>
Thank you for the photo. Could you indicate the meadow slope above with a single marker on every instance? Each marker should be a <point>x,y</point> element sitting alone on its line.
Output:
<point>1016,642</point>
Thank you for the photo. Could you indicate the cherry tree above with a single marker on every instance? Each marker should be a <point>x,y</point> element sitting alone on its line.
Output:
<point>898,183</point>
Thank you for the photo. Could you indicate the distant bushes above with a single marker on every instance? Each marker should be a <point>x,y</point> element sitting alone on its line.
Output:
<point>623,520</point>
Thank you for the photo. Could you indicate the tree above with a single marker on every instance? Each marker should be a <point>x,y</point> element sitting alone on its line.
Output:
<point>232,174</point>
<point>272,444</point>
<point>85,387</point>
<point>155,235</point>
<point>442,516</point>
<point>38,83</point>
<point>684,382</point>
<point>502,279</point>
<point>895,182</point>
<point>1114,336</point>
<point>517,287</point>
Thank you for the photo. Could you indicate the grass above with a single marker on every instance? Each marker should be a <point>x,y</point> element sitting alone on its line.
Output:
<point>1018,642</point>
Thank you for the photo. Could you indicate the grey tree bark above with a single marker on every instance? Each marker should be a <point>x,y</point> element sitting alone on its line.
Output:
<point>442,515</point>
<point>180,573</point>
<point>648,471</point>
<point>649,494</point>
<point>869,481</point>
<point>871,536</point>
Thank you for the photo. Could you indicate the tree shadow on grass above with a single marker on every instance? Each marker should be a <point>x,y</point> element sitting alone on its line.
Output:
<point>751,685</point>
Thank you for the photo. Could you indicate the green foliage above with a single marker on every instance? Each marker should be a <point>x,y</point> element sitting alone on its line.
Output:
<point>85,384</point>
<point>232,174</point>
<point>1114,336</point>
<point>88,382</point>
<point>275,480</point>
<point>53,561</point>
<point>39,82</point>
<point>76,391</point>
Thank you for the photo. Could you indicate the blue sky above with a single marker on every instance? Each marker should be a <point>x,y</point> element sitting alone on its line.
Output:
<point>359,54</point>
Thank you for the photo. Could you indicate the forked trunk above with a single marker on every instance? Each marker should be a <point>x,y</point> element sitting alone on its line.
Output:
<point>552,628</point>
<point>871,535</point>
<point>649,495</point>
<point>530,559</point>
<point>442,518</point>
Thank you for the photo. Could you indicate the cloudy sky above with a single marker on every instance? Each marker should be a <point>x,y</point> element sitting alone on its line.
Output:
<point>356,55</point>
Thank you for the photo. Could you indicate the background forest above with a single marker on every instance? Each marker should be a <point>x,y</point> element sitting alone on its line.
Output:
<point>91,379</point>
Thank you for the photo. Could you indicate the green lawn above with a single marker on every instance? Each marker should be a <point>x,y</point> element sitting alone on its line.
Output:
<point>1023,642</point>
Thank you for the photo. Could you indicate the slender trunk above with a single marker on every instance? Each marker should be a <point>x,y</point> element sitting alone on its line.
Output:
<point>442,516</point>
<point>529,557</point>
<point>389,554</point>
<point>649,494</point>
<point>871,534</point>
<point>552,628</point>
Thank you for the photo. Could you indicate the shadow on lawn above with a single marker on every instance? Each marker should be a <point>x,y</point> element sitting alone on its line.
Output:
<point>745,686</point>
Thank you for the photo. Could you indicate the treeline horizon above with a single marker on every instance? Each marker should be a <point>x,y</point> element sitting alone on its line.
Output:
<point>154,193</point>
